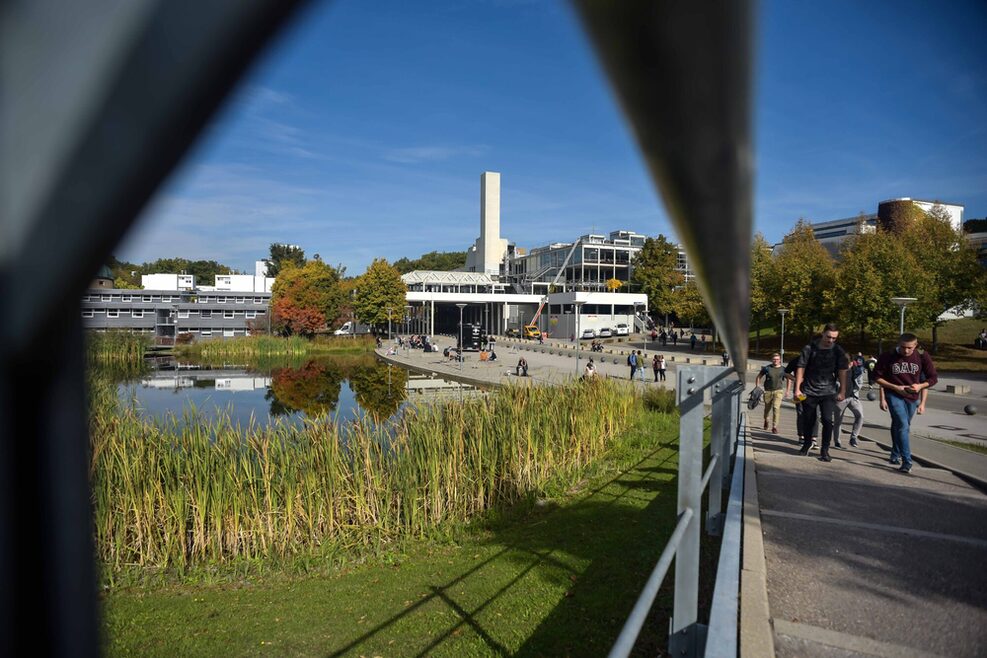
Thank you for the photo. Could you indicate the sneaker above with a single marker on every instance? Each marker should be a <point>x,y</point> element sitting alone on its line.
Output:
<point>803,451</point>
<point>905,468</point>
<point>838,444</point>
<point>853,443</point>
<point>774,430</point>
<point>814,445</point>
<point>894,461</point>
<point>825,457</point>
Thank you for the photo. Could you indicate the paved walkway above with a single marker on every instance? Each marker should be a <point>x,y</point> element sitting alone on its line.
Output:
<point>863,560</point>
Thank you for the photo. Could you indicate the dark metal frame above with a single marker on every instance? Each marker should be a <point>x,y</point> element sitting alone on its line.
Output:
<point>681,71</point>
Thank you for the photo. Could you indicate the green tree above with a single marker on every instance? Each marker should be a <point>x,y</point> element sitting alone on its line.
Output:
<point>764,307</point>
<point>655,273</point>
<point>281,255</point>
<point>804,270</point>
<point>874,268</point>
<point>306,296</point>
<point>953,277</point>
<point>380,294</point>
<point>438,261</point>
<point>688,305</point>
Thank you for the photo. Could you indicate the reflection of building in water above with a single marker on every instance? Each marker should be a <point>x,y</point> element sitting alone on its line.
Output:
<point>426,386</point>
<point>168,382</point>
<point>242,383</point>
<point>225,382</point>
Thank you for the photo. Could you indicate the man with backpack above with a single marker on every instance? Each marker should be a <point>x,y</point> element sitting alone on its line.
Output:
<point>632,362</point>
<point>821,376</point>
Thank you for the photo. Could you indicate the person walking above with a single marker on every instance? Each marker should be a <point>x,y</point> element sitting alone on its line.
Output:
<point>903,374</point>
<point>871,364</point>
<point>773,376</point>
<point>821,377</point>
<point>692,343</point>
<point>855,381</point>
<point>790,370</point>
<point>654,366</point>
<point>661,367</point>
<point>632,362</point>
<point>642,363</point>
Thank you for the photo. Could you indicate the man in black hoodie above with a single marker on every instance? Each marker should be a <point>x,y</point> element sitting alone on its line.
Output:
<point>822,378</point>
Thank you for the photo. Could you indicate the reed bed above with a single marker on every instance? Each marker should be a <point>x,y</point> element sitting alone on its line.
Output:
<point>189,493</point>
<point>115,347</point>
<point>268,346</point>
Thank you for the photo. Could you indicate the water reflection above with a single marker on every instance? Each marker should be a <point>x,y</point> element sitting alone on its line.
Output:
<point>347,387</point>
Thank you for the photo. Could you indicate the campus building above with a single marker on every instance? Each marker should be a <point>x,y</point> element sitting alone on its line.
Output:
<point>170,305</point>
<point>832,234</point>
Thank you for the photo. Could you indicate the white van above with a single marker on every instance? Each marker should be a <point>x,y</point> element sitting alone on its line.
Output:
<point>351,328</point>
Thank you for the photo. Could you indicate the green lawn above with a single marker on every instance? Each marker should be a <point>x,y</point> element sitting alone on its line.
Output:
<point>973,447</point>
<point>557,578</point>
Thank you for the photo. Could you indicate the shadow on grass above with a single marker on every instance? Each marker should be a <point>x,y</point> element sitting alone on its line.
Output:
<point>594,554</point>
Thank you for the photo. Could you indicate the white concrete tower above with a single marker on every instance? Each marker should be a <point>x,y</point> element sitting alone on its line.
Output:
<point>489,246</point>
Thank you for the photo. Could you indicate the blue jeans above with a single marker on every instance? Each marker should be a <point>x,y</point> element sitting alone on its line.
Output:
<point>902,412</point>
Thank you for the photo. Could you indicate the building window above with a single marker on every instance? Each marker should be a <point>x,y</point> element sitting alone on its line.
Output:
<point>106,298</point>
<point>251,315</point>
<point>206,332</point>
<point>228,314</point>
<point>137,313</point>
<point>206,314</point>
<point>166,298</point>
<point>258,300</point>
<point>183,314</point>
<point>127,298</point>
<point>112,313</point>
<point>220,300</point>
<point>87,313</point>
<point>241,300</point>
<point>227,333</point>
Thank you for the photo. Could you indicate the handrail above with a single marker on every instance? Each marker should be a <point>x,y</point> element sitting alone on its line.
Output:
<point>632,627</point>
<point>721,638</point>
<point>713,461</point>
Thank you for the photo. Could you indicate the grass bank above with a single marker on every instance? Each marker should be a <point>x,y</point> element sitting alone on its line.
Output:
<point>555,574</point>
<point>267,346</point>
<point>192,495</point>
<point>115,347</point>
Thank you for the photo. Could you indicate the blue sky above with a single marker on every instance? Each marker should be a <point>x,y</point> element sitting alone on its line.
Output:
<point>363,131</point>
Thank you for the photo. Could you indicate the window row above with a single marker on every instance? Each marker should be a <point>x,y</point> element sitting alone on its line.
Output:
<point>174,298</point>
<point>182,314</point>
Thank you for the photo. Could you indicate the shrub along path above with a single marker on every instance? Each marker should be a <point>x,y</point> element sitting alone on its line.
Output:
<point>559,578</point>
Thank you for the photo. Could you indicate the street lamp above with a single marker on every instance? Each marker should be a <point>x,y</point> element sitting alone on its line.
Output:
<point>407,322</point>
<point>903,302</point>
<point>578,306</point>
<point>460,350</point>
<point>388,323</point>
<point>782,350</point>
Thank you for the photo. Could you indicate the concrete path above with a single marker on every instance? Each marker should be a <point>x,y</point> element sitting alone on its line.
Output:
<point>863,560</point>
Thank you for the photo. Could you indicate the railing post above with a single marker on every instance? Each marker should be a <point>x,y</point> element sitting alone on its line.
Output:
<point>719,448</point>
<point>687,637</point>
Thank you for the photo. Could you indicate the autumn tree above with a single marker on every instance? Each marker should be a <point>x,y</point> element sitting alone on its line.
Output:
<point>380,294</point>
<point>282,255</point>
<point>953,277</point>
<point>804,270</point>
<point>305,299</point>
<point>874,268</point>
<point>655,273</point>
<point>613,285</point>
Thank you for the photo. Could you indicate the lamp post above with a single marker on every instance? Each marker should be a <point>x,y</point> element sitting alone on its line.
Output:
<point>782,349</point>
<point>460,350</point>
<point>407,322</point>
<point>903,302</point>
<point>388,323</point>
<point>578,306</point>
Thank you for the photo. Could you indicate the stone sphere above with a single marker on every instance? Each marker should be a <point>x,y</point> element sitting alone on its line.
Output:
<point>872,396</point>
<point>970,410</point>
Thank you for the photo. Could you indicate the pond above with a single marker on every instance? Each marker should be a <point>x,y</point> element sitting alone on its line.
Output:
<point>347,388</point>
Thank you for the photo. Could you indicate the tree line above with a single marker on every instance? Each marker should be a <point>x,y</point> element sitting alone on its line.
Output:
<point>923,257</point>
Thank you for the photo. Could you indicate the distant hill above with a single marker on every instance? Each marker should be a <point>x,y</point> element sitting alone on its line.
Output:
<point>441,261</point>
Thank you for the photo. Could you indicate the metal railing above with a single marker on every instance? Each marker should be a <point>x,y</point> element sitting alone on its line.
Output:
<point>687,636</point>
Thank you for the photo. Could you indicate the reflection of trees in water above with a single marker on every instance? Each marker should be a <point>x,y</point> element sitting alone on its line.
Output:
<point>312,388</point>
<point>379,388</point>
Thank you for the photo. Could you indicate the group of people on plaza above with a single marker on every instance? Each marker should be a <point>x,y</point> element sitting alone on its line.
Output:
<point>826,383</point>
<point>665,335</point>
<point>638,362</point>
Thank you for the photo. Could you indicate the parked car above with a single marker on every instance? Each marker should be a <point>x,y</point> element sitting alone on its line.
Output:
<point>622,329</point>
<point>606,332</point>
<point>588,333</point>
<point>513,333</point>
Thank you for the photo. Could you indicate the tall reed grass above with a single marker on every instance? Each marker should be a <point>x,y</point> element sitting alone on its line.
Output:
<point>115,347</point>
<point>268,346</point>
<point>191,493</point>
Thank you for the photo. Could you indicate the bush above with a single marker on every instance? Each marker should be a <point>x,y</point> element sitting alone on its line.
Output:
<point>661,400</point>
